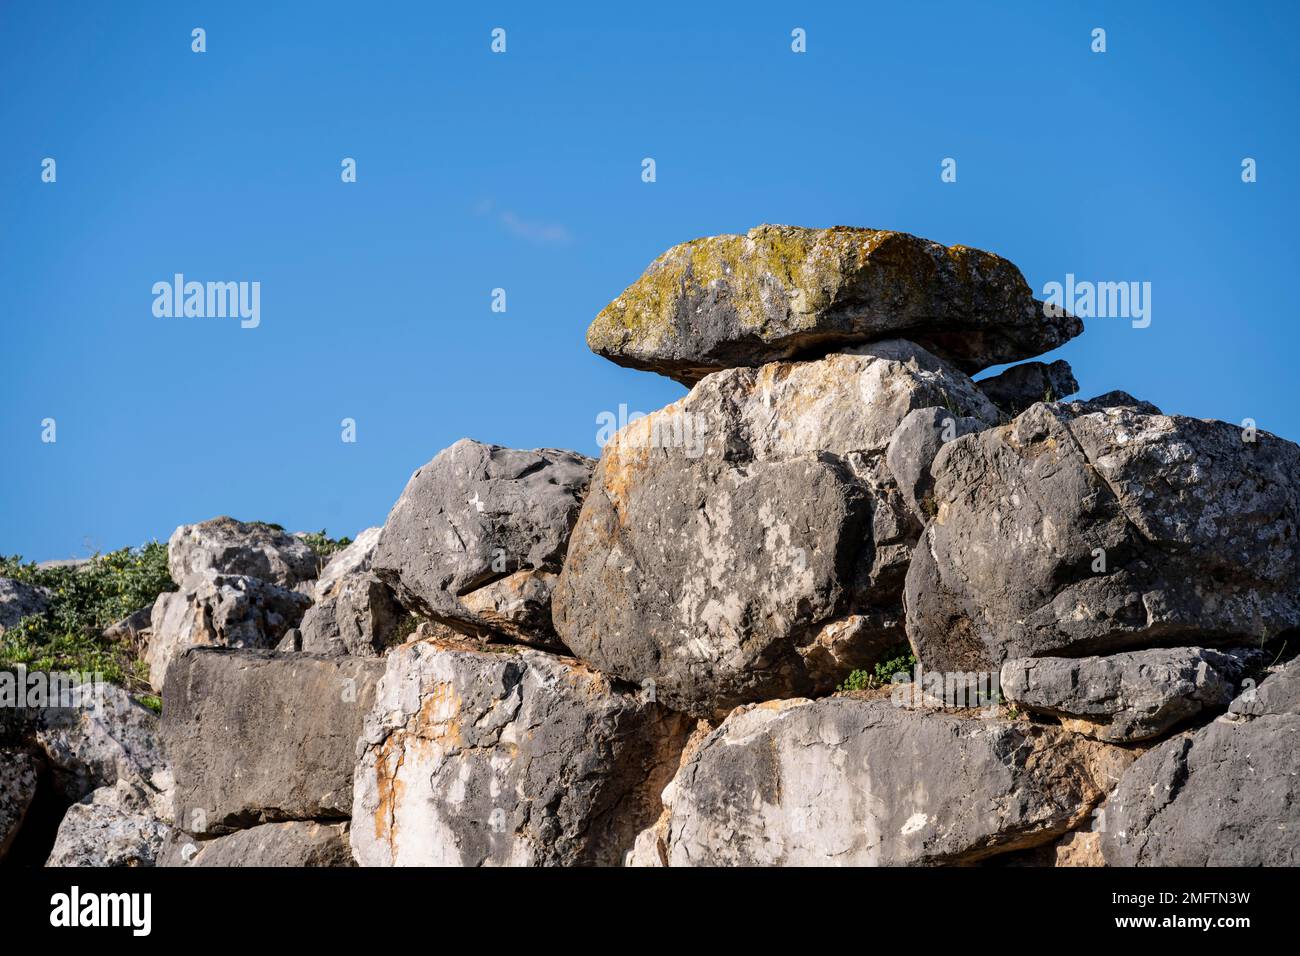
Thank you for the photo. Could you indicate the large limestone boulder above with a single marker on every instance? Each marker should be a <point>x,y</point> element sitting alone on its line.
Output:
<point>481,518</point>
<point>1023,385</point>
<point>257,737</point>
<point>1082,530</point>
<point>220,610</point>
<point>17,791</point>
<point>106,738</point>
<point>19,600</point>
<point>472,758</point>
<point>231,547</point>
<point>113,826</point>
<point>1224,795</point>
<point>1129,696</point>
<point>750,541</point>
<point>782,292</point>
<point>852,782</point>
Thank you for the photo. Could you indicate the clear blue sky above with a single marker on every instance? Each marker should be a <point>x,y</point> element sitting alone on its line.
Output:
<point>522,171</point>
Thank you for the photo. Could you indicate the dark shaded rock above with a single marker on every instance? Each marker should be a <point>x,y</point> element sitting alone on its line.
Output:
<point>1023,385</point>
<point>1072,532</point>
<point>912,448</point>
<point>1128,696</point>
<point>507,759</point>
<point>19,600</point>
<point>476,515</point>
<point>1225,795</point>
<point>358,614</point>
<point>257,737</point>
<point>783,292</point>
<point>17,791</point>
<point>750,541</point>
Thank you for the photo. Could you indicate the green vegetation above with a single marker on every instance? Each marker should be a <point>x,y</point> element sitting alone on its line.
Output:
<point>901,661</point>
<point>84,601</point>
<point>324,545</point>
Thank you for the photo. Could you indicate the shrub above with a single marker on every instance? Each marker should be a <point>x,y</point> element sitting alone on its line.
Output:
<point>84,600</point>
<point>901,662</point>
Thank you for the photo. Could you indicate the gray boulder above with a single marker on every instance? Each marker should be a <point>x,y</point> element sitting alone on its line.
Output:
<point>912,448</point>
<point>106,739</point>
<point>257,737</point>
<point>231,547</point>
<point>19,600</point>
<point>359,615</point>
<point>782,292</point>
<point>220,610</point>
<point>293,843</point>
<point>1075,531</point>
<point>1023,385</point>
<point>477,515</point>
<point>1129,696</point>
<point>17,790</point>
<point>111,827</point>
<point>725,534</point>
<point>1279,693</point>
<point>1224,795</point>
<point>851,782</point>
<point>472,758</point>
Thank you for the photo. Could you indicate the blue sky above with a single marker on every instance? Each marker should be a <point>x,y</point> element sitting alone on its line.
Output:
<point>522,171</point>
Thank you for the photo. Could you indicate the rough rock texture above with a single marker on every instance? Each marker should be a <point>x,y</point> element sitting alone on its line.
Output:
<point>1023,385</point>
<point>782,292</point>
<point>1129,696</point>
<point>1087,531</point>
<point>473,517</point>
<point>92,747</point>
<point>358,614</point>
<point>113,826</point>
<point>709,566</point>
<point>843,781</point>
<point>912,448</point>
<point>220,610</point>
<point>17,790</point>
<point>227,546</point>
<point>1225,795</point>
<point>354,559</point>
<point>256,737</point>
<point>472,758</point>
<point>18,600</point>
<point>294,843</point>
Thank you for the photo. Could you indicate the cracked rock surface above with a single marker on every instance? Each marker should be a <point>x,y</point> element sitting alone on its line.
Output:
<point>472,758</point>
<point>1225,795</point>
<point>782,292</point>
<point>750,541</point>
<point>1079,530</point>
<point>844,781</point>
